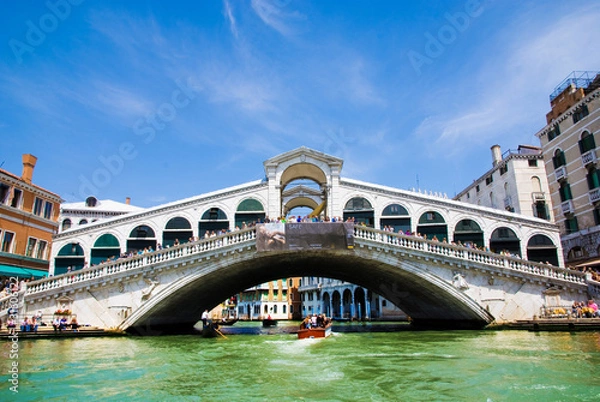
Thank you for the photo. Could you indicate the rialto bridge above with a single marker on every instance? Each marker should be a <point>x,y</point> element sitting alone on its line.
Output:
<point>475,266</point>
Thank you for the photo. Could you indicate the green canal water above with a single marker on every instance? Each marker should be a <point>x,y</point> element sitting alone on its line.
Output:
<point>253,364</point>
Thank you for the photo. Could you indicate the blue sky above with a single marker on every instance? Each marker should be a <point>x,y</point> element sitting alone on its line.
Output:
<point>159,100</point>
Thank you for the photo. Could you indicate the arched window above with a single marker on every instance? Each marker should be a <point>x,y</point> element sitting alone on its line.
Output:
<point>66,224</point>
<point>505,240</point>
<point>586,143</point>
<point>141,237</point>
<point>558,159</point>
<point>105,247</point>
<point>396,217</point>
<point>248,212</point>
<point>70,257</point>
<point>468,231</point>
<point>361,210</point>
<point>83,222</point>
<point>433,225</point>
<point>178,230</point>
<point>213,219</point>
<point>91,202</point>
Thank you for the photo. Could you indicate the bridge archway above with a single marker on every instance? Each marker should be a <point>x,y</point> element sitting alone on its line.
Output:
<point>141,237</point>
<point>428,300</point>
<point>541,249</point>
<point>433,225</point>
<point>468,231</point>
<point>505,239</point>
<point>361,210</point>
<point>213,219</point>
<point>70,256</point>
<point>177,230</point>
<point>248,212</point>
<point>396,217</point>
<point>105,247</point>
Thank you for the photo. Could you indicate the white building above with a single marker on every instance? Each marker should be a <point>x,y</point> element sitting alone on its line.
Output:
<point>516,182</point>
<point>344,301</point>
<point>76,214</point>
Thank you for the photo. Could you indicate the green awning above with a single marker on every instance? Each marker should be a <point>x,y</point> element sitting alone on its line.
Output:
<point>22,273</point>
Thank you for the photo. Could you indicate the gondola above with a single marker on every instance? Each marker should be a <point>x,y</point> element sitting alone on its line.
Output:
<point>269,322</point>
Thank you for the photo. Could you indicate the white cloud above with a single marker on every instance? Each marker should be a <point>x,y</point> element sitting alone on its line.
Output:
<point>230,18</point>
<point>513,88</point>
<point>274,14</point>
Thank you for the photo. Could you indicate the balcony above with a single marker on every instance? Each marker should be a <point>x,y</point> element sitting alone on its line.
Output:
<point>567,207</point>
<point>538,196</point>
<point>560,173</point>
<point>588,157</point>
<point>594,195</point>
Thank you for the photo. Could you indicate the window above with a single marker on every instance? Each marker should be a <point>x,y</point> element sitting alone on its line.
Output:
<point>48,210</point>
<point>503,169</point>
<point>4,192</point>
<point>558,159</point>
<point>593,178</point>
<point>7,242</point>
<point>37,206</point>
<point>580,113</point>
<point>586,143</point>
<point>477,188</point>
<point>83,222</point>
<point>489,179</point>
<point>532,162</point>
<point>41,249</point>
<point>30,247</point>
<point>597,216</point>
<point>565,192</point>
<point>16,201</point>
<point>66,224</point>
<point>571,225</point>
<point>555,132</point>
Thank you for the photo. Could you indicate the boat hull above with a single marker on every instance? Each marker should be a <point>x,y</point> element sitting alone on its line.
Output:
<point>317,332</point>
<point>268,323</point>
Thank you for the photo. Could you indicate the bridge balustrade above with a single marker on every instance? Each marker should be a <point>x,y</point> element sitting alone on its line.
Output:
<point>469,254</point>
<point>403,241</point>
<point>139,261</point>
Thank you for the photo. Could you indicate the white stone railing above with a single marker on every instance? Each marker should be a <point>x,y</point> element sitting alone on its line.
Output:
<point>136,263</point>
<point>408,242</point>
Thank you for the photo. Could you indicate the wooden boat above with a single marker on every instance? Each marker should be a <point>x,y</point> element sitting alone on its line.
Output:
<point>314,332</point>
<point>210,330</point>
<point>269,322</point>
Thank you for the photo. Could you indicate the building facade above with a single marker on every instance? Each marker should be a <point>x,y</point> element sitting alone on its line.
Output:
<point>28,220</point>
<point>569,148</point>
<point>278,299</point>
<point>345,301</point>
<point>516,183</point>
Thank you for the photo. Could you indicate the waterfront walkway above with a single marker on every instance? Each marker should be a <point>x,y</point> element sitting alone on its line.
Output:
<point>46,332</point>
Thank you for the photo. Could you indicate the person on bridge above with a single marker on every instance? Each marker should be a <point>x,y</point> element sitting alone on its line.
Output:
<point>205,318</point>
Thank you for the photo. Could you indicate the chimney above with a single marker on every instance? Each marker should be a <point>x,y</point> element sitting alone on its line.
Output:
<point>28,165</point>
<point>496,155</point>
<point>128,200</point>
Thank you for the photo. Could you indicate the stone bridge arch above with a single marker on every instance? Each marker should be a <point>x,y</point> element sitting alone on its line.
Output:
<point>427,298</point>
